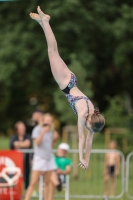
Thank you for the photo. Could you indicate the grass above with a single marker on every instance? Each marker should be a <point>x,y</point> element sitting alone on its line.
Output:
<point>90,181</point>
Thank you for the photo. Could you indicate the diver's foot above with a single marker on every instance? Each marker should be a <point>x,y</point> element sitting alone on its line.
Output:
<point>37,18</point>
<point>43,16</point>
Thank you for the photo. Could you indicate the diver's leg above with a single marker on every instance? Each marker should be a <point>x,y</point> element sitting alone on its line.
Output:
<point>59,69</point>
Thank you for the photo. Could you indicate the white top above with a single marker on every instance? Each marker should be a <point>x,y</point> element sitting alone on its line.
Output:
<point>44,150</point>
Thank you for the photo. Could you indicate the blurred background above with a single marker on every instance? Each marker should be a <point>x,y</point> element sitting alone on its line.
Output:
<point>95,39</point>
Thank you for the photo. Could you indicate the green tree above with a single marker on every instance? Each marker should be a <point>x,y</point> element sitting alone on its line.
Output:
<point>94,39</point>
<point>116,115</point>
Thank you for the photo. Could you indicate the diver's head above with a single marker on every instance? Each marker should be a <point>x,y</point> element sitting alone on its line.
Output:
<point>95,122</point>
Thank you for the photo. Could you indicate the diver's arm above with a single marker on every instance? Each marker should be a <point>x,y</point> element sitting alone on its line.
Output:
<point>81,124</point>
<point>89,140</point>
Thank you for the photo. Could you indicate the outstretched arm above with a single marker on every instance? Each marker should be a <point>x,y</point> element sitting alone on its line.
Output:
<point>89,140</point>
<point>81,124</point>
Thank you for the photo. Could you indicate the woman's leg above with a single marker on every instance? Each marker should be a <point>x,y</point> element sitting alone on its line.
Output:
<point>59,69</point>
<point>49,187</point>
<point>33,182</point>
<point>54,178</point>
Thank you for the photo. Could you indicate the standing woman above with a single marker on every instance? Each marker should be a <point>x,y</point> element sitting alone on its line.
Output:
<point>43,160</point>
<point>81,105</point>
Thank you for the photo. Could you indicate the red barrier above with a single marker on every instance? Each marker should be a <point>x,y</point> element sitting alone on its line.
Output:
<point>12,159</point>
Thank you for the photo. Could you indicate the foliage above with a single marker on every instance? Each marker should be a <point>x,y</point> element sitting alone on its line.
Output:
<point>116,115</point>
<point>94,39</point>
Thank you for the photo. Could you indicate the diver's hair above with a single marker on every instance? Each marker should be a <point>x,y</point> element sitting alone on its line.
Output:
<point>97,121</point>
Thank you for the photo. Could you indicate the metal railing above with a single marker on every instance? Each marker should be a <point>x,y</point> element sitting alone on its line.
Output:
<point>85,184</point>
<point>129,176</point>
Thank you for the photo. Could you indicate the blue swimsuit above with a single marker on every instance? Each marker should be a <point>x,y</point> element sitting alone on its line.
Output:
<point>73,99</point>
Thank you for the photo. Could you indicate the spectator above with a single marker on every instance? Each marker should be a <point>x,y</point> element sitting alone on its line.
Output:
<point>63,163</point>
<point>111,168</point>
<point>37,116</point>
<point>20,140</point>
<point>43,160</point>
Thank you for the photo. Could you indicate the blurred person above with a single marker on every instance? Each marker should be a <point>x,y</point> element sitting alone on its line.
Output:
<point>64,164</point>
<point>43,160</point>
<point>49,120</point>
<point>37,116</point>
<point>21,140</point>
<point>111,168</point>
<point>81,105</point>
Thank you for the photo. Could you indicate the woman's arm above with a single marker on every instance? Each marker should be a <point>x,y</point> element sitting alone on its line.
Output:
<point>55,137</point>
<point>81,123</point>
<point>89,140</point>
<point>64,172</point>
<point>22,144</point>
<point>38,139</point>
<point>12,140</point>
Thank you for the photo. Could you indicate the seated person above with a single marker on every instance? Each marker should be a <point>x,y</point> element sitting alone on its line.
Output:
<point>63,163</point>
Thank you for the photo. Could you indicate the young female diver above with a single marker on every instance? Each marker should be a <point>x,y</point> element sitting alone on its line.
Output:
<point>81,105</point>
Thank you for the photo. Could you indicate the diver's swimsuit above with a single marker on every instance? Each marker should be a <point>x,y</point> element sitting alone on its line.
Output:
<point>73,99</point>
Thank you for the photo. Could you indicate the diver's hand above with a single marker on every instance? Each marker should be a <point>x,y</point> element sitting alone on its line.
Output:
<point>83,164</point>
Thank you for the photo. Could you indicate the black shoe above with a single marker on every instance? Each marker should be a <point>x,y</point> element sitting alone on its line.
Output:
<point>59,187</point>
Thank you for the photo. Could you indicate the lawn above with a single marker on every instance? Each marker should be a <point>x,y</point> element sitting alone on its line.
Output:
<point>88,182</point>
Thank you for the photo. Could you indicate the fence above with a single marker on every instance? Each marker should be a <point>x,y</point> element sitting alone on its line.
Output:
<point>89,184</point>
<point>129,176</point>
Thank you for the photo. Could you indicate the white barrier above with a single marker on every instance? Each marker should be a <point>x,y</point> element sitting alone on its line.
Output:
<point>42,188</point>
<point>129,176</point>
<point>90,182</point>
